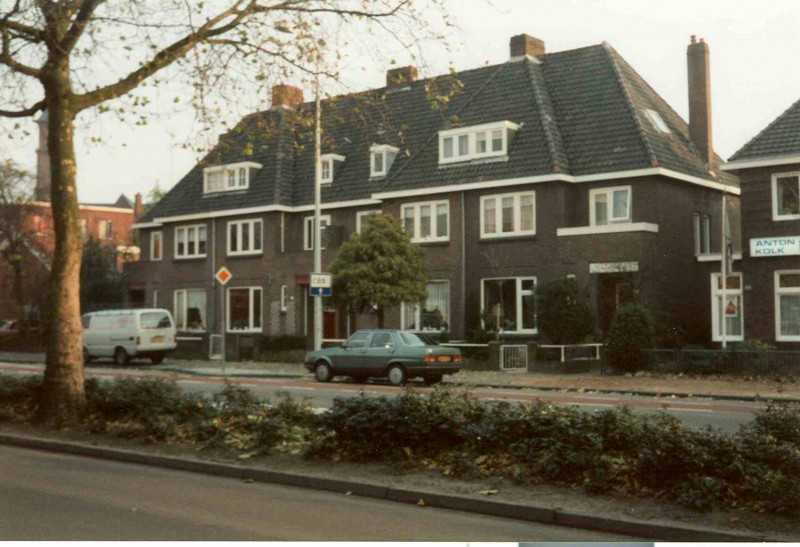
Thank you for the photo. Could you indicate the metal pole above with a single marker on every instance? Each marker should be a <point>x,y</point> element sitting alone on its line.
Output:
<point>317,203</point>
<point>724,275</point>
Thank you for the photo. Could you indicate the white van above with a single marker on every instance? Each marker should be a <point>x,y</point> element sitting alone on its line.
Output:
<point>123,334</point>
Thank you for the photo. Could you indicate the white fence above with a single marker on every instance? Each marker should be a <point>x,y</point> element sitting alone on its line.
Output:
<point>514,357</point>
<point>576,352</point>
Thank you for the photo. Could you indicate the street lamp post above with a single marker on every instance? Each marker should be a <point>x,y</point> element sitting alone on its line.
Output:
<point>317,201</point>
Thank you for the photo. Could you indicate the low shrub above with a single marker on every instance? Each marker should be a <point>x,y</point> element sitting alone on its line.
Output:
<point>282,343</point>
<point>18,397</point>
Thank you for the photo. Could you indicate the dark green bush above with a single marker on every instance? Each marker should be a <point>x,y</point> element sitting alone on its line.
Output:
<point>631,332</point>
<point>18,397</point>
<point>781,421</point>
<point>563,311</point>
<point>282,343</point>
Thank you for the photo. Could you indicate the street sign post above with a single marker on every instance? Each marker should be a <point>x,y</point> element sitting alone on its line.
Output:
<point>320,284</point>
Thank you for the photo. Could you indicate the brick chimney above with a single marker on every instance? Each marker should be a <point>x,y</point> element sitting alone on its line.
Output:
<point>526,45</point>
<point>286,96</point>
<point>699,70</point>
<point>138,208</point>
<point>401,76</point>
<point>42,190</point>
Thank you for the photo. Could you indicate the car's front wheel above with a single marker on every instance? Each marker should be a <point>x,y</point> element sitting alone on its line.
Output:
<point>397,375</point>
<point>121,357</point>
<point>323,372</point>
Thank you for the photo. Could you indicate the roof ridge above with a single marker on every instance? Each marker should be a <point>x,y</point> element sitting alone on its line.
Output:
<point>547,127</point>
<point>611,52</point>
<point>780,117</point>
<point>461,109</point>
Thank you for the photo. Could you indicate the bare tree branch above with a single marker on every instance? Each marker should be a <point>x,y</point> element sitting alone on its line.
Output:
<point>75,31</point>
<point>23,113</point>
<point>7,59</point>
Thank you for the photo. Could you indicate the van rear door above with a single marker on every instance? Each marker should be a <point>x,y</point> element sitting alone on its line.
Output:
<point>156,328</point>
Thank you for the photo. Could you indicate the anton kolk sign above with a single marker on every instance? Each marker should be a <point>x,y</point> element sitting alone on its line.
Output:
<point>775,246</point>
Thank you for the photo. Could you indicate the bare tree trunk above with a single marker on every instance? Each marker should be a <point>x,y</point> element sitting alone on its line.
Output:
<point>62,399</point>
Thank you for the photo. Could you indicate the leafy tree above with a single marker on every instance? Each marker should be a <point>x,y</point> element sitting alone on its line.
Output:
<point>631,332</point>
<point>153,197</point>
<point>379,267</point>
<point>101,283</point>
<point>564,313</point>
<point>15,194</point>
<point>77,56</point>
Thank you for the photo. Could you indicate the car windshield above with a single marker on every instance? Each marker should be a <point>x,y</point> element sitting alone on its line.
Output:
<point>155,320</point>
<point>411,339</point>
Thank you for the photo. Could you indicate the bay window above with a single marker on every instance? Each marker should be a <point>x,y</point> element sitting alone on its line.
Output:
<point>509,304</point>
<point>508,215</point>
<point>433,314</point>
<point>244,309</point>
<point>226,178</point>
<point>245,237</point>
<point>190,309</point>
<point>190,241</point>
<point>787,306</point>
<point>429,221</point>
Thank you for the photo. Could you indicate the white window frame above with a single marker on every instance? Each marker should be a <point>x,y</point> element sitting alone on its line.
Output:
<point>775,215</point>
<point>158,234</point>
<point>251,293</point>
<point>518,289</point>
<point>471,133</point>
<point>308,224</point>
<point>701,226</point>
<point>362,214</point>
<point>790,291</point>
<point>417,207</point>
<point>716,293</point>
<point>418,312</point>
<point>284,298</point>
<point>657,121</point>
<point>389,152</point>
<point>231,172</point>
<point>329,160</point>
<point>498,199</point>
<point>186,229</point>
<point>103,227</point>
<point>252,235</point>
<point>184,315</point>
<point>609,191</point>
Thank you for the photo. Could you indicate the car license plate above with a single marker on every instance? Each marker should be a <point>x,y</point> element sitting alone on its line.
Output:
<point>157,339</point>
<point>444,358</point>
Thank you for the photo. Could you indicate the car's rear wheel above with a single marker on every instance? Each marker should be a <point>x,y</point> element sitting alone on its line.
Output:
<point>157,359</point>
<point>432,379</point>
<point>121,357</point>
<point>397,375</point>
<point>323,372</point>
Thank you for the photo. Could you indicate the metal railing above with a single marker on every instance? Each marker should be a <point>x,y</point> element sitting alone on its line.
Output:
<point>575,352</point>
<point>514,357</point>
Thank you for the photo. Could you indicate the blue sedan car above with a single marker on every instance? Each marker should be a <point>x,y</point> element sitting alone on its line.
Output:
<point>393,354</point>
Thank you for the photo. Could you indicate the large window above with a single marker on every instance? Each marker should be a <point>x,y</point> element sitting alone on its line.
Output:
<point>431,315</point>
<point>244,309</point>
<point>308,231</point>
<point>190,241</point>
<point>610,205</point>
<point>106,229</point>
<point>190,309</point>
<point>227,178</point>
<point>702,234</point>
<point>428,221</point>
<point>509,304</point>
<point>786,196</point>
<point>730,310</point>
<point>508,215</point>
<point>245,237</point>
<point>476,142</point>
<point>787,306</point>
<point>155,245</point>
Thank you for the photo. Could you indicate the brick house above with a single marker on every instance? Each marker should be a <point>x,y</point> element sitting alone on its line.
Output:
<point>108,223</point>
<point>769,280</point>
<point>545,166</point>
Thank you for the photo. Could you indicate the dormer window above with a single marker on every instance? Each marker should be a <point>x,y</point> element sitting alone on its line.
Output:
<point>227,178</point>
<point>381,159</point>
<point>475,142</point>
<point>328,167</point>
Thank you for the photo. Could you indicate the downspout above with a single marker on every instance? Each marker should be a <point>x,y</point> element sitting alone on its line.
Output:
<point>463,268</point>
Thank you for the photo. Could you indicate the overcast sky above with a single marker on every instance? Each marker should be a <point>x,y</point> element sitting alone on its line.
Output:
<point>755,48</point>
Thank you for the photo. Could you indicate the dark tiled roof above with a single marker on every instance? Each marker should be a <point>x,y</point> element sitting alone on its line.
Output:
<point>780,138</point>
<point>580,112</point>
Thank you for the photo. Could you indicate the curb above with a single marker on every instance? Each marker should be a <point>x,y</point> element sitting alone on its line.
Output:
<point>191,372</point>
<point>516,511</point>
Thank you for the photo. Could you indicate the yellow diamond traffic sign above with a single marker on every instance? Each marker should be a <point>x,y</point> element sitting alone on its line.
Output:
<point>223,275</point>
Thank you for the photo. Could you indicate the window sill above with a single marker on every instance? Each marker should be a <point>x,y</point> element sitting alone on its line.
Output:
<point>186,258</point>
<point>507,237</point>
<point>246,254</point>
<point>715,257</point>
<point>609,229</point>
<point>780,218</point>
<point>500,158</point>
<point>431,242</point>
<point>249,331</point>
<point>728,339</point>
<point>780,338</point>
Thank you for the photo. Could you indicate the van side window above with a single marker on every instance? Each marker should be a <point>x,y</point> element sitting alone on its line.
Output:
<point>155,320</point>
<point>86,320</point>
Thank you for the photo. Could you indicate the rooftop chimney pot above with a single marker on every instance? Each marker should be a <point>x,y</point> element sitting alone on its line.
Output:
<point>526,45</point>
<point>401,76</point>
<point>286,96</point>
<point>699,71</point>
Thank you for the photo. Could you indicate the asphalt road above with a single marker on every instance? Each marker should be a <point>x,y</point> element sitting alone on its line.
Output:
<point>46,496</point>
<point>694,412</point>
